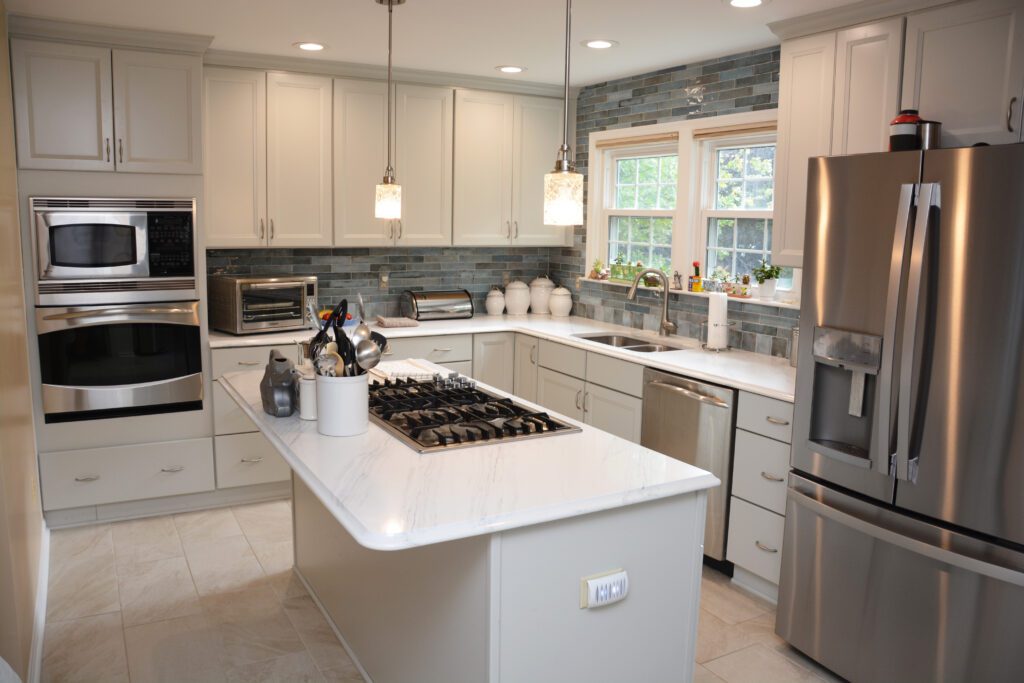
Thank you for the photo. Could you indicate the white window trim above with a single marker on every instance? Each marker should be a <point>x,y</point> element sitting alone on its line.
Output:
<point>686,241</point>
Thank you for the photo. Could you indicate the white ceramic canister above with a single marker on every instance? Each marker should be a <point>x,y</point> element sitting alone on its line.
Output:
<point>307,397</point>
<point>495,302</point>
<point>560,302</point>
<point>342,405</point>
<point>540,294</point>
<point>517,298</point>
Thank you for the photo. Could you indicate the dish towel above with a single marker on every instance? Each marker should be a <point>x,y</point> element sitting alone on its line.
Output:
<point>396,322</point>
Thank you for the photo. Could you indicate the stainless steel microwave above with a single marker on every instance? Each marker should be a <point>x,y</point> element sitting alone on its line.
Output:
<point>106,251</point>
<point>247,305</point>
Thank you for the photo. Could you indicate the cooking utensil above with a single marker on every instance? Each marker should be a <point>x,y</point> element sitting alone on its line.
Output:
<point>362,330</point>
<point>327,364</point>
<point>314,317</point>
<point>380,340</point>
<point>367,355</point>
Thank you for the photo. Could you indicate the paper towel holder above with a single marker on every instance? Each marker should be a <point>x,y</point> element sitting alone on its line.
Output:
<point>704,335</point>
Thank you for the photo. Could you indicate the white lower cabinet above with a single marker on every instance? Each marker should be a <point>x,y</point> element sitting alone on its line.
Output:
<point>755,539</point>
<point>493,358</point>
<point>524,384</point>
<point>759,470</point>
<point>440,349</point>
<point>613,412</point>
<point>246,459</point>
<point>463,367</point>
<point>95,476</point>
<point>560,393</point>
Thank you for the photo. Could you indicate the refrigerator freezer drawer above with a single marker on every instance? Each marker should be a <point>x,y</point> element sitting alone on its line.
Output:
<point>876,596</point>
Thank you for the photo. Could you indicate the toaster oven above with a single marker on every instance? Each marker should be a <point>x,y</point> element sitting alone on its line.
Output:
<point>248,305</point>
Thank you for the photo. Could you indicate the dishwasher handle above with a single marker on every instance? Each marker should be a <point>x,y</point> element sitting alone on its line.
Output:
<point>710,400</point>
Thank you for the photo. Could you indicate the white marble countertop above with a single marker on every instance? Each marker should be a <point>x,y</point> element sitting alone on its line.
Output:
<point>390,497</point>
<point>754,372</point>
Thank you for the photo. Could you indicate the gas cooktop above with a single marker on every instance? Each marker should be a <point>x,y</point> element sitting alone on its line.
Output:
<point>452,412</point>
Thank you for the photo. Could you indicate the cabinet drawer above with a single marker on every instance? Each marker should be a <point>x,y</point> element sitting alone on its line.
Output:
<point>454,347</point>
<point>767,416</point>
<point>755,539</point>
<point>615,374</point>
<point>109,475</point>
<point>759,471</point>
<point>228,418</point>
<point>562,358</point>
<point>245,459</point>
<point>248,358</point>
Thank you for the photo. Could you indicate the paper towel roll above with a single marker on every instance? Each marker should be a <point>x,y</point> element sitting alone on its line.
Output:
<point>718,323</point>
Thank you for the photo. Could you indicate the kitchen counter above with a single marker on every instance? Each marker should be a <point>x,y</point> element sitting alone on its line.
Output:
<point>753,372</point>
<point>388,496</point>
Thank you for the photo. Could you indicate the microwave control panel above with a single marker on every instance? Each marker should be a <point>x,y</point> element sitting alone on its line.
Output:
<point>171,248</point>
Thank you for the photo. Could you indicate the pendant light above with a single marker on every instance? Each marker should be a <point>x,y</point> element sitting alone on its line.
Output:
<point>388,198</point>
<point>563,187</point>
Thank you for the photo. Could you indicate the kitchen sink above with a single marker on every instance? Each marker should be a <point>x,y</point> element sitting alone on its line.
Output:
<point>652,348</point>
<point>628,343</point>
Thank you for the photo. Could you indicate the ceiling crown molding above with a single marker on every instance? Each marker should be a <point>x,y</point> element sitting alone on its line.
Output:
<point>326,67</point>
<point>850,15</point>
<point>22,26</point>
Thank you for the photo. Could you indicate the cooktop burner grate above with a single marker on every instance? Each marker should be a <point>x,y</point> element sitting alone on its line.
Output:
<point>452,412</point>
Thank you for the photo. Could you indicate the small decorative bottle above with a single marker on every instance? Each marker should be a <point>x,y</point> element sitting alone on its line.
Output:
<point>695,283</point>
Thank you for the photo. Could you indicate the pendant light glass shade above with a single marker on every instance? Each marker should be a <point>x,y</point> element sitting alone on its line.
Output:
<point>388,203</point>
<point>563,187</point>
<point>563,198</point>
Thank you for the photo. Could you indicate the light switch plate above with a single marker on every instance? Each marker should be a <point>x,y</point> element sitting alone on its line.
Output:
<point>603,589</point>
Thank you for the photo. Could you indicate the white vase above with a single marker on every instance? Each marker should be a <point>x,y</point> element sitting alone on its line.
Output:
<point>766,290</point>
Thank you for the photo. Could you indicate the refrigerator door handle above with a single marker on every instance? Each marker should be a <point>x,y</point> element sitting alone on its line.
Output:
<point>927,200</point>
<point>954,559</point>
<point>884,461</point>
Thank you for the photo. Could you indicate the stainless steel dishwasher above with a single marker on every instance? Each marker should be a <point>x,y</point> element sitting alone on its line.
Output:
<point>693,422</point>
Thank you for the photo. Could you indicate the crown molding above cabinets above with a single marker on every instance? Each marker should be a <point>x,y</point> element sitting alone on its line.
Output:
<point>248,60</point>
<point>851,15</point>
<point>20,26</point>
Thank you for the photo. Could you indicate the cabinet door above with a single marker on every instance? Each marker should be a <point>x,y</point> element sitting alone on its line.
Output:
<point>805,130</point>
<point>157,112</point>
<point>360,156</point>
<point>63,106</point>
<point>482,196</point>
<point>299,160</point>
<point>536,137</point>
<point>560,393</point>
<point>867,89</point>
<point>614,412</point>
<point>235,153</point>
<point>493,358</point>
<point>965,68</point>
<point>424,127</point>
<point>525,383</point>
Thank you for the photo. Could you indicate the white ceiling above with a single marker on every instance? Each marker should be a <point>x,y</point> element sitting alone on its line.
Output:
<point>458,36</point>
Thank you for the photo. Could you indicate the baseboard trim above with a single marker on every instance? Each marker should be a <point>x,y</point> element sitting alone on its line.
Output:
<point>334,627</point>
<point>756,585</point>
<point>35,662</point>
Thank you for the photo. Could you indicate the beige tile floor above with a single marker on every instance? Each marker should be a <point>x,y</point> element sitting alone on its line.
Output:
<point>210,596</point>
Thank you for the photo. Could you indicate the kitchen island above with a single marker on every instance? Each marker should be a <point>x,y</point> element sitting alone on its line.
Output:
<point>467,564</point>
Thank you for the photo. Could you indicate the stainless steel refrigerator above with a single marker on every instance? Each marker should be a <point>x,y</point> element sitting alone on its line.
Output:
<point>903,557</point>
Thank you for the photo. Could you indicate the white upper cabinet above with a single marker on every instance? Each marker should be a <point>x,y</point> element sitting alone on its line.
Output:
<point>157,112</point>
<point>806,79</point>
<point>424,121</point>
<point>867,86</point>
<point>965,67</point>
<point>360,155</point>
<point>483,168</point>
<point>537,135</point>
<point>63,106</point>
<point>299,160</point>
<point>235,153</point>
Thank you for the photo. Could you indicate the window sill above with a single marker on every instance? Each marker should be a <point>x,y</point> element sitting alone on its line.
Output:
<point>789,299</point>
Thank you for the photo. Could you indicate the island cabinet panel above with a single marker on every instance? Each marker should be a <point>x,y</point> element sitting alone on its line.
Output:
<point>493,358</point>
<point>525,383</point>
<point>544,635</point>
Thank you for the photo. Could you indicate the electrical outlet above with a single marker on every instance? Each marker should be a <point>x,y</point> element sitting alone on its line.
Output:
<point>506,277</point>
<point>384,279</point>
<point>603,589</point>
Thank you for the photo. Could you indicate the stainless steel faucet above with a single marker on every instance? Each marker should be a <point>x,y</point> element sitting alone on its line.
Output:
<point>667,326</point>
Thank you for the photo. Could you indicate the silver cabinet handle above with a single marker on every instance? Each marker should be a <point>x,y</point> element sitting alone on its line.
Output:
<point>387,351</point>
<point>586,398</point>
<point>508,229</point>
<point>516,233</point>
<point>777,421</point>
<point>172,468</point>
<point>271,229</point>
<point>391,230</point>
<point>533,355</point>
<point>442,350</point>
<point>120,151</point>
<point>578,395</point>
<point>263,229</point>
<point>252,461</point>
<point>771,477</point>
<point>710,400</point>
<point>399,229</point>
<point>87,477</point>
<point>767,549</point>
<point>106,146</point>
<point>1009,114</point>
<point>249,362</point>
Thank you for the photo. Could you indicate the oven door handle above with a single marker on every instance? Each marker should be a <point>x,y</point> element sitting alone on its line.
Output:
<point>53,320</point>
<point>272,285</point>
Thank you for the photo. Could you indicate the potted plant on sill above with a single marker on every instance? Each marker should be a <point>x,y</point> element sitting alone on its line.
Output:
<point>767,277</point>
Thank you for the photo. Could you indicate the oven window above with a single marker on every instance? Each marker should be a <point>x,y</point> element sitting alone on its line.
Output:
<point>124,353</point>
<point>272,304</point>
<point>92,245</point>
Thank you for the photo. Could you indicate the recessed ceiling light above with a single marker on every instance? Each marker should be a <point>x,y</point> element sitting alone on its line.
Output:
<point>510,69</point>
<point>747,4</point>
<point>600,44</point>
<point>309,47</point>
